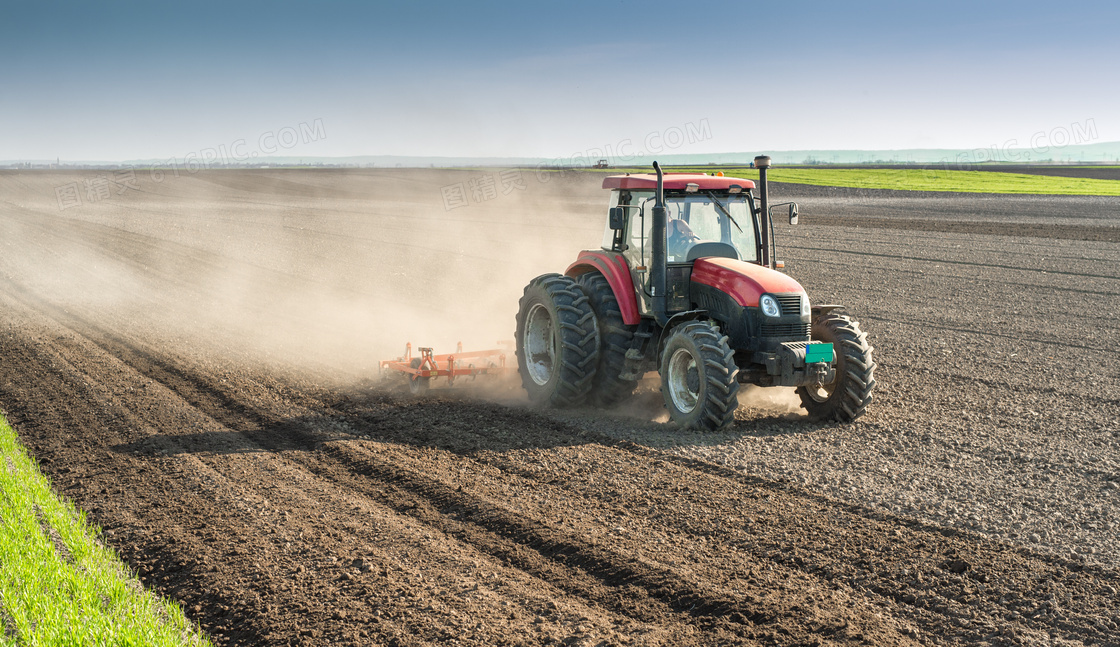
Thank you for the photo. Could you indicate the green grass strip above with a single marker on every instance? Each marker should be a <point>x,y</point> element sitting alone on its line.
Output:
<point>58,584</point>
<point>933,180</point>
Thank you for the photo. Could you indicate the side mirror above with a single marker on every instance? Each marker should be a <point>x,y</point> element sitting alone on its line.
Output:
<point>792,206</point>
<point>617,218</point>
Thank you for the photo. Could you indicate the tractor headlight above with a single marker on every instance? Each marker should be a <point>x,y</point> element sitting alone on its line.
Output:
<point>769,306</point>
<point>805,310</point>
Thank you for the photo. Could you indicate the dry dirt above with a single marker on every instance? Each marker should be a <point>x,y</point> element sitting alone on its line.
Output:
<point>192,362</point>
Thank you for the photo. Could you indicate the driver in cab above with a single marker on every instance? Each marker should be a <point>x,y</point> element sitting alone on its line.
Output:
<point>679,238</point>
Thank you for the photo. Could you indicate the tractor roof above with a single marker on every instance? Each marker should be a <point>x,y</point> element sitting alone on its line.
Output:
<point>674,181</point>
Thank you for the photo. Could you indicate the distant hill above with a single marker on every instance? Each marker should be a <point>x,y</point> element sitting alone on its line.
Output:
<point>1105,152</point>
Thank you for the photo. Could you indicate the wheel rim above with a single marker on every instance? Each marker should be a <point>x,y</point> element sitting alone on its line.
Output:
<point>684,380</point>
<point>540,344</point>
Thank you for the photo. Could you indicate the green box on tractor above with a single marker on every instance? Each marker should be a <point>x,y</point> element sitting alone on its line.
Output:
<point>685,284</point>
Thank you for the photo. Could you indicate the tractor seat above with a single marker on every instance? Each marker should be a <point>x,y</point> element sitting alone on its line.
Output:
<point>712,249</point>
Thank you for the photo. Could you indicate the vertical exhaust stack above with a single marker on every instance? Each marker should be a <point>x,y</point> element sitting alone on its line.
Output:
<point>658,254</point>
<point>762,162</point>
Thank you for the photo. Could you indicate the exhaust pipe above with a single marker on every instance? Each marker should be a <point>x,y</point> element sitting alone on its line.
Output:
<point>658,254</point>
<point>762,162</point>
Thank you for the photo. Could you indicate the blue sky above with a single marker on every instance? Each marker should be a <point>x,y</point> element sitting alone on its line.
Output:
<point>114,81</point>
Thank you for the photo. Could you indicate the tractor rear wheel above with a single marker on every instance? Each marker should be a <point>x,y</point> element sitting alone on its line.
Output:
<point>557,341</point>
<point>608,388</point>
<point>847,396</point>
<point>698,374</point>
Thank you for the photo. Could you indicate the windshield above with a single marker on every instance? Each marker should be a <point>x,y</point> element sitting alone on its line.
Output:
<point>698,219</point>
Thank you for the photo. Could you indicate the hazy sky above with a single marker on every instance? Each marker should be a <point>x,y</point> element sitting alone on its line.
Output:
<point>114,81</point>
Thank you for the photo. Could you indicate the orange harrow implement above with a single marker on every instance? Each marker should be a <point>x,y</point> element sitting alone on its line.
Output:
<point>421,371</point>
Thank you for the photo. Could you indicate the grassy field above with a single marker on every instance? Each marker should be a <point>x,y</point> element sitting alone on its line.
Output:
<point>58,584</point>
<point>933,180</point>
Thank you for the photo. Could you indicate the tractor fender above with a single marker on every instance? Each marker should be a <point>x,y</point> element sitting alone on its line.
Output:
<point>614,268</point>
<point>674,321</point>
<point>823,309</point>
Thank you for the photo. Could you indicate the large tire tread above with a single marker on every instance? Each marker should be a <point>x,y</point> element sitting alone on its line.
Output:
<point>615,337</point>
<point>579,342</point>
<point>720,395</point>
<point>853,392</point>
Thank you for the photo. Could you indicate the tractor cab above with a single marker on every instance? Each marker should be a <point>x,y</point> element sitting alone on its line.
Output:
<point>719,221</point>
<point>699,225</point>
<point>723,212</point>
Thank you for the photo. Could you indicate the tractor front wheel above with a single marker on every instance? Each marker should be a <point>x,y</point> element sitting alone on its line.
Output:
<point>557,341</point>
<point>846,397</point>
<point>698,377</point>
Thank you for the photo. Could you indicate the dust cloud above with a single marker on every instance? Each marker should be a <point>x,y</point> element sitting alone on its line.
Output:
<point>773,399</point>
<point>325,268</point>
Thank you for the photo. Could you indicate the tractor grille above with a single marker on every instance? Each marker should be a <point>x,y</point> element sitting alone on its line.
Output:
<point>787,330</point>
<point>790,303</point>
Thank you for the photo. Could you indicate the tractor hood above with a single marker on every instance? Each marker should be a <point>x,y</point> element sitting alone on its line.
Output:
<point>744,282</point>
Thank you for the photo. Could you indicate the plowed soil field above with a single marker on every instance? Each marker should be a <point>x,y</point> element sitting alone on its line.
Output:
<point>193,361</point>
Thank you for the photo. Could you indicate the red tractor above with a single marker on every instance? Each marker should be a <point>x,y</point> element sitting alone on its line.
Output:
<point>685,284</point>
